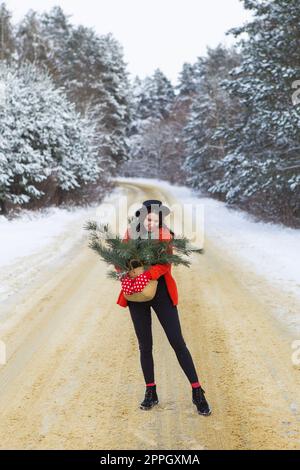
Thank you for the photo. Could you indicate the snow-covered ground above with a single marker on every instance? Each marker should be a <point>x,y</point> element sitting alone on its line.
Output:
<point>36,241</point>
<point>33,231</point>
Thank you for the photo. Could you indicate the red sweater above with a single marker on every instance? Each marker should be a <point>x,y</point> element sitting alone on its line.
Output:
<point>156,271</point>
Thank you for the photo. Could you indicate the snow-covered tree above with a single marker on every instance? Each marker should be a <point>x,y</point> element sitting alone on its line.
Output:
<point>7,35</point>
<point>92,70</point>
<point>187,82</point>
<point>210,109</point>
<point>265,160</point>
<point>42,137</point>
<point>31,44</point>
<point>56,29</point>
<point>154,97</point>
<point>151,102</point>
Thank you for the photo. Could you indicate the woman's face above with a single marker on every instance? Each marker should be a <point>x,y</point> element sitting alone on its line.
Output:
<point>151,221</point>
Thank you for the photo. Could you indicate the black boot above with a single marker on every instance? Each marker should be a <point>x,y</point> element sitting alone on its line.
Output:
<point>200,401</point>
<point>150,399</point>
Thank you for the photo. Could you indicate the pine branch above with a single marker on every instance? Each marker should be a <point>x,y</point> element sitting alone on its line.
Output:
<point>112,249</point>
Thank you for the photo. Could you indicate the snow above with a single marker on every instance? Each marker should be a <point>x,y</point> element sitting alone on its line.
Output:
<point>41,240</point>
<point>32,232</point>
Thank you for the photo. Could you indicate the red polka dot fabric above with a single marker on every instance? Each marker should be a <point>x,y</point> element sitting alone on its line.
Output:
<point>136,284</point>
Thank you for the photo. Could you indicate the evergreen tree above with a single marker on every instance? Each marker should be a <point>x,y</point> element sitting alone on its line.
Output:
<point>31,44</point>
<point>114,106</point>
<point>42,137</point>
<point>153,96</point>
<point>210,109</point>
<point>56,29</point>
<point>187,85</point>
<point>152,100</point>
<point>162,94</point>
<point>7,35</point>
<point>264,166</point>
<point>92,69</point>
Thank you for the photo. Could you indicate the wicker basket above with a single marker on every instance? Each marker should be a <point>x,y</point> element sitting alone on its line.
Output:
<point>149,290</point>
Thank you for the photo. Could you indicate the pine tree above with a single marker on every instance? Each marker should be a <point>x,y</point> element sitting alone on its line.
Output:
<point>42,136</point>
<point>210,110</point>
<point>7,35</point>
<point>31,45</point>
<point>56,29</point>
<point>264,166</point>
<point>103,91</point>
<point>187,85</point>
<point>91,70</point>
<point>152,100</point>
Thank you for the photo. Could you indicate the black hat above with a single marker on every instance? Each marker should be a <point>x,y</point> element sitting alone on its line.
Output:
<point>156,206</point>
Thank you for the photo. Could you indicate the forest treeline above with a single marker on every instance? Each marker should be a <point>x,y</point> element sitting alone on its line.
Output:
<point>71,117</point>
<point>64,110</point>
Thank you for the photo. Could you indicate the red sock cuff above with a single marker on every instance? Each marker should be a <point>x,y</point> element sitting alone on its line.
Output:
<point>149,385</point>
<point>195,384</point>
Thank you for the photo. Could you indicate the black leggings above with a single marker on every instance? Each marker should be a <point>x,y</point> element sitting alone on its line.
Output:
<point>167,314</point>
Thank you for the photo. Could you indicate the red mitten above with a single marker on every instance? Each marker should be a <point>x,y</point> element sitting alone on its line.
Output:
<point>127,284</point>
<point>141,281</point>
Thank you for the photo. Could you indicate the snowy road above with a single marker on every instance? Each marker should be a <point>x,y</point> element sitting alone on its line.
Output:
<point>72,353</point>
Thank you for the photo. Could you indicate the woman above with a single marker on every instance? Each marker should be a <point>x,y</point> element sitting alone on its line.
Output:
<point>164,304</point>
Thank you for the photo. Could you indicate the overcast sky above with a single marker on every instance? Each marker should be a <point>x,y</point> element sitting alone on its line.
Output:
<point>153,33</point>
